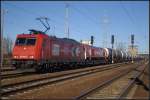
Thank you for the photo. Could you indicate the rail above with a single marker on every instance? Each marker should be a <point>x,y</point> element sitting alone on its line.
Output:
<point>16,73</point>
<point>11,89</point>
<point>126,89</point>
<point>106,83</point>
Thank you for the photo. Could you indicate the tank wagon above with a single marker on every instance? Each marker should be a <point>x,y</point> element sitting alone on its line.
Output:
<point>42,52</point>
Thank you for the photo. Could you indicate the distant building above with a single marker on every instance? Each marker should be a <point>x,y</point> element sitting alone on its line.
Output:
<point>86,42</point>
<point>133,51</point>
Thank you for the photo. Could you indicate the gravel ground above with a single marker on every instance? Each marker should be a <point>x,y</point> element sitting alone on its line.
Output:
<point>69,88</point>
<point>7,68</point>
<point>39,76</point>
<point>140,92</point>
<point>112,90</point>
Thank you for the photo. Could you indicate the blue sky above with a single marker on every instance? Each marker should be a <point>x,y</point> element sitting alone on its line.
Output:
<point>100,19</point>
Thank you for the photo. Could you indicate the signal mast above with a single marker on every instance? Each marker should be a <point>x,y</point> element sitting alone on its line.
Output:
<point>66,20</point>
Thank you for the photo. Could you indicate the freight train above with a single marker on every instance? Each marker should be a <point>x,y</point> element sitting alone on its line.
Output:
<point>44,53</point>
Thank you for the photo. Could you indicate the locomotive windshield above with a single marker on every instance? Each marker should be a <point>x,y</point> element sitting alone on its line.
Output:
<point>31,41</point>
<point>20,41</point>
<point>25,41</point>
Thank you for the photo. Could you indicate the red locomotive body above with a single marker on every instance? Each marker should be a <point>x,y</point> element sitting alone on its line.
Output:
<point>27,49</point>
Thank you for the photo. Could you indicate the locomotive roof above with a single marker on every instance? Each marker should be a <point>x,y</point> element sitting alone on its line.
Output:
<point>70,40</point>
<point>65,40</point>
<point>53,37</point>
<point>33,31</point>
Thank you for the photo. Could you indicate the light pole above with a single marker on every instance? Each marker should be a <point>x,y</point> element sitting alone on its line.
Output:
<point>132,53</point>
<point>67,19</point>
<point>2,30</point>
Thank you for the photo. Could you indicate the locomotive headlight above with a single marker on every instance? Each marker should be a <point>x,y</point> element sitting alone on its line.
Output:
<point>15,56</point>
<point>31,56</point>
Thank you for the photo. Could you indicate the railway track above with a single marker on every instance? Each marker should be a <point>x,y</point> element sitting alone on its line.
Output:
<point>3,69</point>
<point>11,89</point>
<point>16,73</point>
<point>7,67</point>
<point>9,72</point>
<point>99,91</point>
<point>134,80</point>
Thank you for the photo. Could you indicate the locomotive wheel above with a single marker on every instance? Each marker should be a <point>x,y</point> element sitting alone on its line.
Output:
<point>38,68</point>
<point>71,66</point>
<point>16,66</point>
<point>50,68</point>
<point>47,67</point>
<point>44,69</point>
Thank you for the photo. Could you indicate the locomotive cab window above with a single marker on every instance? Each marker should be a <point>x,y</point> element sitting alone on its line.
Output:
<point>31,41</point>
<point>25,41</point>
<point>20,41</point>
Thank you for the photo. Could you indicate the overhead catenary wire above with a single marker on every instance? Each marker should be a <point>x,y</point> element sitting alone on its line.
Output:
<point>36,14</point>
<point>85,16</point>
<point>32,13</point>
<point>93,20</point>
<point>130,16</point>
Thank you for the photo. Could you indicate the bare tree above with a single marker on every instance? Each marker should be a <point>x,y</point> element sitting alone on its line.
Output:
<point>7,45</point>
